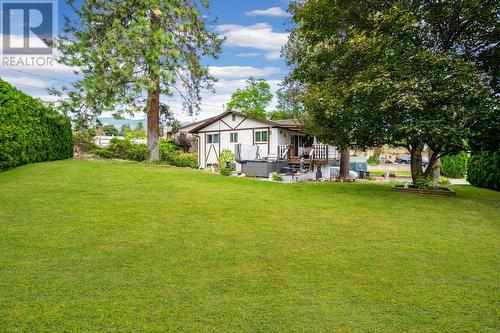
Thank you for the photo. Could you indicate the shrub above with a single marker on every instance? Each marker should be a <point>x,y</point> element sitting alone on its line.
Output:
<point>138,152</point>
<point>30,131</point>
<point>454,166</point>
<point>168,151</point>
<point>484,170</point>
<point>277,177</point>
<point>120,148</point>
<point>423,182</point>
<point>103,152</point>
<point>126,150</point>
<point>226,160</point>
<point>374,159</point>
<point>186,160</point>
<point>84,141</point>
<point>225,171</point>
<point>110,130</point>
<point>171,154</point>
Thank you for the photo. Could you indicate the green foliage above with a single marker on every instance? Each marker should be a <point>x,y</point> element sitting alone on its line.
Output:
<point>110,130</point>
<point>443,181</point>
<point>138,152</point>
<point>171,154</point>
<point>168,151</point>
<point>167,117</point>
<point>373,159</point>
<point>423,182</point>
<point>279,115</point>
<point>454,166</point>
<point>186,160</point>
<point>120,148</point>
<point>393,75</point>
<point>484,170</point>
<point>128,49</point>
<point>123,149</point>
<point>252,100</point>
<point>84,141</point>
<point>288,106</point>
<point>226,160</point>
<point>103,152</point>
<point>125,129</point>
<point>277,177</point>
<point>30,131</point>
<point>138,133</point>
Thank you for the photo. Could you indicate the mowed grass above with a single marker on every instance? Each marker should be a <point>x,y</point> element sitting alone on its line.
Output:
<point>90,246</point>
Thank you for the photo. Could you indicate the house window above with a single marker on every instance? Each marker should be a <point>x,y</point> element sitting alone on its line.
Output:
<point>233,137</point>
<point>213,138</point>
<point>261,136</point>
<point>234,117</point>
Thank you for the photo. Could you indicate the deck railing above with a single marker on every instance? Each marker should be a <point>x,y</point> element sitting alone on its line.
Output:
<point>319,152</point>
<point>284,152</point>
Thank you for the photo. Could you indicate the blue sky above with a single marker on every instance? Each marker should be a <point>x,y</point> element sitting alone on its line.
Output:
<point>254,30</point>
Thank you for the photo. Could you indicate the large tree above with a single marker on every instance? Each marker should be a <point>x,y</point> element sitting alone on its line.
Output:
<point>253,99</point>
<point>130,52</point>
<point>391,72</point>
<point>288,107</point>
<point>319,84</point>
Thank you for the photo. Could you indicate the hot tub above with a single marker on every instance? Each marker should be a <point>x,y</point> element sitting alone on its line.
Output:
<point>262,168</point>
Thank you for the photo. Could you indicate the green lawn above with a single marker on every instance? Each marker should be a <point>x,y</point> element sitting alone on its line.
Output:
<point>91,246</point>
<point>377,173</point>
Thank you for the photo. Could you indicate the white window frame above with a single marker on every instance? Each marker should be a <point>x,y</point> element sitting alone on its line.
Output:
<point>233,137</point>
<point>260,136</point>
<point>210,138</point>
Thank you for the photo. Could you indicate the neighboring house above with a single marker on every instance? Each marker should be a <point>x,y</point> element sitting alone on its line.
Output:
<point>276,140</point>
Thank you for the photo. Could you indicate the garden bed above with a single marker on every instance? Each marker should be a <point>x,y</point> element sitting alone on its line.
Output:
<point>441,191</point>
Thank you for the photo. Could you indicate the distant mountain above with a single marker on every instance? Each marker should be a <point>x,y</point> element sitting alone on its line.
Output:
<point>118,123</point>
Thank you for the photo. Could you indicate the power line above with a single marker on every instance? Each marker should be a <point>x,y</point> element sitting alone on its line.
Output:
<point>37,75</point>
<point>30,87</point>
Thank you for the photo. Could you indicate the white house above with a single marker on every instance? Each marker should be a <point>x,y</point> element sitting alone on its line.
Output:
<point>276,140</point>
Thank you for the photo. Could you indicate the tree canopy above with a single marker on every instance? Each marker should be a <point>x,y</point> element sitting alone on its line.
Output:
<point>287,107</point>
<point>253,99</point>
<point>131,52</point>
<point>389,72</point>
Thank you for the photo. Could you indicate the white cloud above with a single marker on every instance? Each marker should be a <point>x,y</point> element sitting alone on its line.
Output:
<point>258,36</point>
<point>212,104</point>
<point>27,81</point>
<point>273,55</point>
<point>47,98</point>
<point>273,11</point>
<point>248,54</point>
<point>237,72</point>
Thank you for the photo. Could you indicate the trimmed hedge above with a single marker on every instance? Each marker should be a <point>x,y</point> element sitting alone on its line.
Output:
<point>484,170</point>
<point>454,166</point>
<point>30,131</point>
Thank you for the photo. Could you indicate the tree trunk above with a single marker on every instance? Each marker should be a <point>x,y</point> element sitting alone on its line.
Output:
<point>344,164</point>
<point>154,125</point>
<point>433,170</point>
<point>154,103</point>
<point>416,162</point>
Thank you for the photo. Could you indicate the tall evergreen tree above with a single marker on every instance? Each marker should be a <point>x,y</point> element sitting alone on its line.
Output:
<point>131,52</point>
